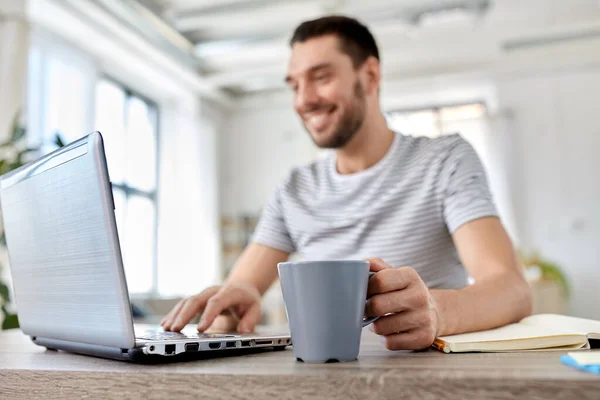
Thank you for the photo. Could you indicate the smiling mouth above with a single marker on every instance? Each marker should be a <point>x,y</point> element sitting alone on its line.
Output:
<point>319,119</point>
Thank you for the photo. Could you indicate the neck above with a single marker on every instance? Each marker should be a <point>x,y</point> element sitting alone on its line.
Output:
<point>368,146</point>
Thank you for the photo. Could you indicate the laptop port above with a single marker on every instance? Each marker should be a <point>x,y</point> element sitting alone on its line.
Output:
<point>214,345</point>
<point>263,342</point>
<point>246,343</point>
<point>169,349</point>
<point>191,347</point>
<point>230,345</point>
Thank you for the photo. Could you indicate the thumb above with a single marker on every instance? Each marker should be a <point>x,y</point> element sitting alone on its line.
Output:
<point>377,264</point>
<point>250,319</point>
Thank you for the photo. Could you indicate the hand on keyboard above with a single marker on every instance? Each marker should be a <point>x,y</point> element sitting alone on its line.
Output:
<point>240,300</point>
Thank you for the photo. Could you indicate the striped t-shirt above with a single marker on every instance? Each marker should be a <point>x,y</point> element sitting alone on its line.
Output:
<point>403,209</point>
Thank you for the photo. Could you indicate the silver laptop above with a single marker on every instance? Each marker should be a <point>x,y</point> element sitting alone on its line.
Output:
<point>67,269</point>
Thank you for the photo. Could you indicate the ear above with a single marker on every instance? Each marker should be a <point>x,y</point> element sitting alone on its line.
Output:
<point>372,74</point>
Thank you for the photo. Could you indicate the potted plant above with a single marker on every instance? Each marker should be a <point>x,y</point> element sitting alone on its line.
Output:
<point>547,270</point>
<point>549,283</point>
<point>14,153</point>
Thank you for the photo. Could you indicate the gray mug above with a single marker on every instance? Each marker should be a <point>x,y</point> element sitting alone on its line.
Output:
<point>325,304</point>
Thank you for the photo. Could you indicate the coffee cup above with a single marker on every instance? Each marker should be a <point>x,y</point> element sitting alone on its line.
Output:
<point>325,303</point>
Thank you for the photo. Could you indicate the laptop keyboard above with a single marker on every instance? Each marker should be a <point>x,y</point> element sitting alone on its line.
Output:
<point>165,335</point>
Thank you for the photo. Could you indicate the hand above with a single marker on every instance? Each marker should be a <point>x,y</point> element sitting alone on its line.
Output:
<point>240,301</point>
<point>408,313</point>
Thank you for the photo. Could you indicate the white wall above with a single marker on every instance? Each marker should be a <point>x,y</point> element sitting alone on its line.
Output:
<point>544,134</point>
<point>188,231</point>
<point>556,132</point>
<point>258,147</point>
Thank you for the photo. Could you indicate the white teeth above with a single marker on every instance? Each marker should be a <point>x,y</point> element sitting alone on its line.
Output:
<point>317,119</point>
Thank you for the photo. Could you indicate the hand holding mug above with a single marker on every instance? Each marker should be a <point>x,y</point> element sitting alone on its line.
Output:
<point>407,310</point>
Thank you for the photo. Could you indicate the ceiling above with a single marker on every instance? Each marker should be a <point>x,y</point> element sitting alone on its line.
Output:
<point>240,46</point>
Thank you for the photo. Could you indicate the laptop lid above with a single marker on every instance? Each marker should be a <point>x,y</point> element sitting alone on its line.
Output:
<point>63,247</point>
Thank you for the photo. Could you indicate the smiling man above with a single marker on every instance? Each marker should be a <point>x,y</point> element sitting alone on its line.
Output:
<point>419,209</point>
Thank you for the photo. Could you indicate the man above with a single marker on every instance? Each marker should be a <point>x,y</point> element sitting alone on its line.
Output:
<point>420,204</point>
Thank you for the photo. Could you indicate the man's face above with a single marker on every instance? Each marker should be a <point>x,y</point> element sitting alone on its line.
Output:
<point>328,94</point>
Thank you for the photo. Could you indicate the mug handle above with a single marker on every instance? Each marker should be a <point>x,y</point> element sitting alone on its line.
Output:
<point>370,320</point>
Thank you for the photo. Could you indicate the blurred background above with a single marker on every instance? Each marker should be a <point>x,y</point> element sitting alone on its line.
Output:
<point>199,127</point>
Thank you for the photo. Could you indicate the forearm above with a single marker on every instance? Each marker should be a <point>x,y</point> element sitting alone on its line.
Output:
<point>257,266</point>
<point>486,304</point>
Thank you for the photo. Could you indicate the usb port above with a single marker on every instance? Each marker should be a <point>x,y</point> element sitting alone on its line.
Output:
<point>230,345</point>
<point>246,343</point>
<point>191,347</point>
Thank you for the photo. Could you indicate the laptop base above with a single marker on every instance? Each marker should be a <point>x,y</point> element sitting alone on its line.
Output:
<point>139,355</point>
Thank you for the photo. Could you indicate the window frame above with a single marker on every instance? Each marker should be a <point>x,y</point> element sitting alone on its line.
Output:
<point>131,190</point>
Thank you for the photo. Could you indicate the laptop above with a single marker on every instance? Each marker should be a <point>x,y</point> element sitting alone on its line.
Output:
<point>66,264</point>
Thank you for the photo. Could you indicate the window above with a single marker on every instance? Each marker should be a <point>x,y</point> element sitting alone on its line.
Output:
<point>61,85</point>
<point>436,121</point>
<point>68,94</point>
<point>128,123</point>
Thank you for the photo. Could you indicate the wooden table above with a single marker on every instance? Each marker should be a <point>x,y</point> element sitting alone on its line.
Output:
<point>30,372</point>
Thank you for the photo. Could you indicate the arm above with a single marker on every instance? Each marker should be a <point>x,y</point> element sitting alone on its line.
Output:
<point>257,266</point>
<point>500,295</point>
<point>413,316</point>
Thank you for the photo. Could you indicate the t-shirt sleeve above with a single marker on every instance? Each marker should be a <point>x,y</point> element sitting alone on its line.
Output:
<point>271,229</point>
<point>466,194</point>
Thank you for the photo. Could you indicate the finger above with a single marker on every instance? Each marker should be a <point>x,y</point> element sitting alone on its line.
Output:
<point>169,323</point>
<point>225,298</point>
<point>250,319</point>
<point>417,339</point>
<point>172,312</point>
<point>376,264</point>
<point>392,279</point>
<point>398,301</point>
<point>402,322</point>
<point>192,307</point>
<point>170,319</point>
<point>223,324</point>
<point>167,320</point>
<point>233,313</point>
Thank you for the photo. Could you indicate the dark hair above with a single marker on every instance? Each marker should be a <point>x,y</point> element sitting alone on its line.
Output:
<point>355,38</point>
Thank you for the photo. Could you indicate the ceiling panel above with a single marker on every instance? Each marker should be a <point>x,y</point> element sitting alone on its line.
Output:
<point>243,43</point>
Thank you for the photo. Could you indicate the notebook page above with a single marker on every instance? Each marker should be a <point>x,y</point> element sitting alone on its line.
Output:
<point>504,333</point>
<point>562,323</point>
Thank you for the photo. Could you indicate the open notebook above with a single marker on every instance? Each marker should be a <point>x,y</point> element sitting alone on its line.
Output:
<point>536,332</point>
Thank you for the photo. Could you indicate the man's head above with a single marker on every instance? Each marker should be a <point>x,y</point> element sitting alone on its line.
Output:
<point>334,73</point>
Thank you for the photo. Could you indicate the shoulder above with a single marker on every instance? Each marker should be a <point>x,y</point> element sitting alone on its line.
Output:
<point>304,177</point>
<point>454,144</point>
<point>433,151</point>
<point>307,173</point>
<point>442,145</point>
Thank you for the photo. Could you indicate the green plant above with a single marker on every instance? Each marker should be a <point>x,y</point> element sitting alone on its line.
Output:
<point>14,153</point>
<point>548,271</point>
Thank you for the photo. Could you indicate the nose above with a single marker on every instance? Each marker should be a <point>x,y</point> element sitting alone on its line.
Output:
<point>306,97</point>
